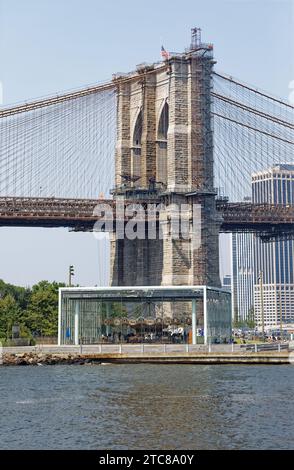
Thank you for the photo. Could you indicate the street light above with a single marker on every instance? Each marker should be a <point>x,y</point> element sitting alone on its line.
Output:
<point>261,302</point>
<point>281,317</point>
<point>71,273</point>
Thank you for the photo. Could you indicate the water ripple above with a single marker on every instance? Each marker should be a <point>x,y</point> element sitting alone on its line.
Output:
<point>147,406</point>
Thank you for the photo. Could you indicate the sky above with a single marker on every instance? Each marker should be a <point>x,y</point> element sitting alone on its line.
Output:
<point>49,46</point>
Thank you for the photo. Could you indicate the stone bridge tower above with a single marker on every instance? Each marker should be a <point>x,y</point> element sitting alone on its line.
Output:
<point>164,152</point>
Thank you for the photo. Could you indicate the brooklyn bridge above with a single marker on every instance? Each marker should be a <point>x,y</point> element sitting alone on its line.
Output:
<point>173,132</point>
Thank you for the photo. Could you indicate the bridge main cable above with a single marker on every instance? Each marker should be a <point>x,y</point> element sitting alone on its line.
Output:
<point>53,100</point>
<point>254,90</point>
<point>257,112</point>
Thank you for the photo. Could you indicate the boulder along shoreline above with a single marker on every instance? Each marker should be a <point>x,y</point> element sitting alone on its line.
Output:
<point>38,359</point>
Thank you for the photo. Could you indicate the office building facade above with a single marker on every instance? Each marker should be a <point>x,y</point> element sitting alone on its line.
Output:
<point>273,261</point>
<point>242,275</point>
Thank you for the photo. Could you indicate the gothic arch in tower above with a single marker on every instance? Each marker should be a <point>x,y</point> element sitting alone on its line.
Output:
<point>161,144</point>
<point>136,147</point>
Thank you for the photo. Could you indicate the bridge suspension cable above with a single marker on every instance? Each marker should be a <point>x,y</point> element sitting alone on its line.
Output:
<point>63,147</point>
<point>254,90</point>
<point>53,100</point>
<point>253,131</point>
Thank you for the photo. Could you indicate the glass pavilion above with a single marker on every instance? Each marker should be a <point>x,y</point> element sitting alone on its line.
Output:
<point>176,314</point>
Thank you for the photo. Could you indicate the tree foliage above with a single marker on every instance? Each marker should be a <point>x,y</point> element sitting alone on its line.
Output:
<point>34,310</point>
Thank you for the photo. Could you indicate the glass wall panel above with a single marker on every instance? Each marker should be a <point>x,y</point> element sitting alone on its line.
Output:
<point>218,322</point>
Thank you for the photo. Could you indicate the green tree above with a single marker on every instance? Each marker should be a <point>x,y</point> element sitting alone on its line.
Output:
<point>41,316</point>
<point>10,314</point>
<point>34,310</point>
<point>251,318</point>
<point>20,294</point>
<point>237,322</point>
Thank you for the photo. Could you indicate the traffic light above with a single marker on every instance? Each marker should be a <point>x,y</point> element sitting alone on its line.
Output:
<point>71,273</point>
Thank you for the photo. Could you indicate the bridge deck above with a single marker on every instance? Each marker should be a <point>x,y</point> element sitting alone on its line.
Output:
<point>81,215</point>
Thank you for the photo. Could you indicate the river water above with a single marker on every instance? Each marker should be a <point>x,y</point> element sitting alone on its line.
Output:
<point>147,407</point>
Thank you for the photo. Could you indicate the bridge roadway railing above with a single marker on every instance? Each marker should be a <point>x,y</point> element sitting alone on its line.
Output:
<point>49,206</point>
<point>81,214</point>
<point>50,212</point>
<point>267,218</point>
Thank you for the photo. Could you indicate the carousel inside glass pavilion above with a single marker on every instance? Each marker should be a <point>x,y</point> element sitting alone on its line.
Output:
<point>190,315</point>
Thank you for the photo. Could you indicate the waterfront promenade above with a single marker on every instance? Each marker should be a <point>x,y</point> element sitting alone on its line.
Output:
<point>150,353</point>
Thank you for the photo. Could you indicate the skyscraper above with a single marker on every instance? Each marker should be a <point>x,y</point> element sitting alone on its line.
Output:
<point>274,259</point>
<point>242,275</point>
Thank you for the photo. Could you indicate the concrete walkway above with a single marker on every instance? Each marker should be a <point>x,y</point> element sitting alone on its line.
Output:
<point>147,353</point>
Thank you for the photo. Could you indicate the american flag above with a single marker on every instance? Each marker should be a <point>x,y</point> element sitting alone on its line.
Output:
<point>164,53</point>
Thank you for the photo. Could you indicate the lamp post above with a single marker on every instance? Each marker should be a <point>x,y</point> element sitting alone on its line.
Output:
<point>281,318</point>
<point>261,302</point>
